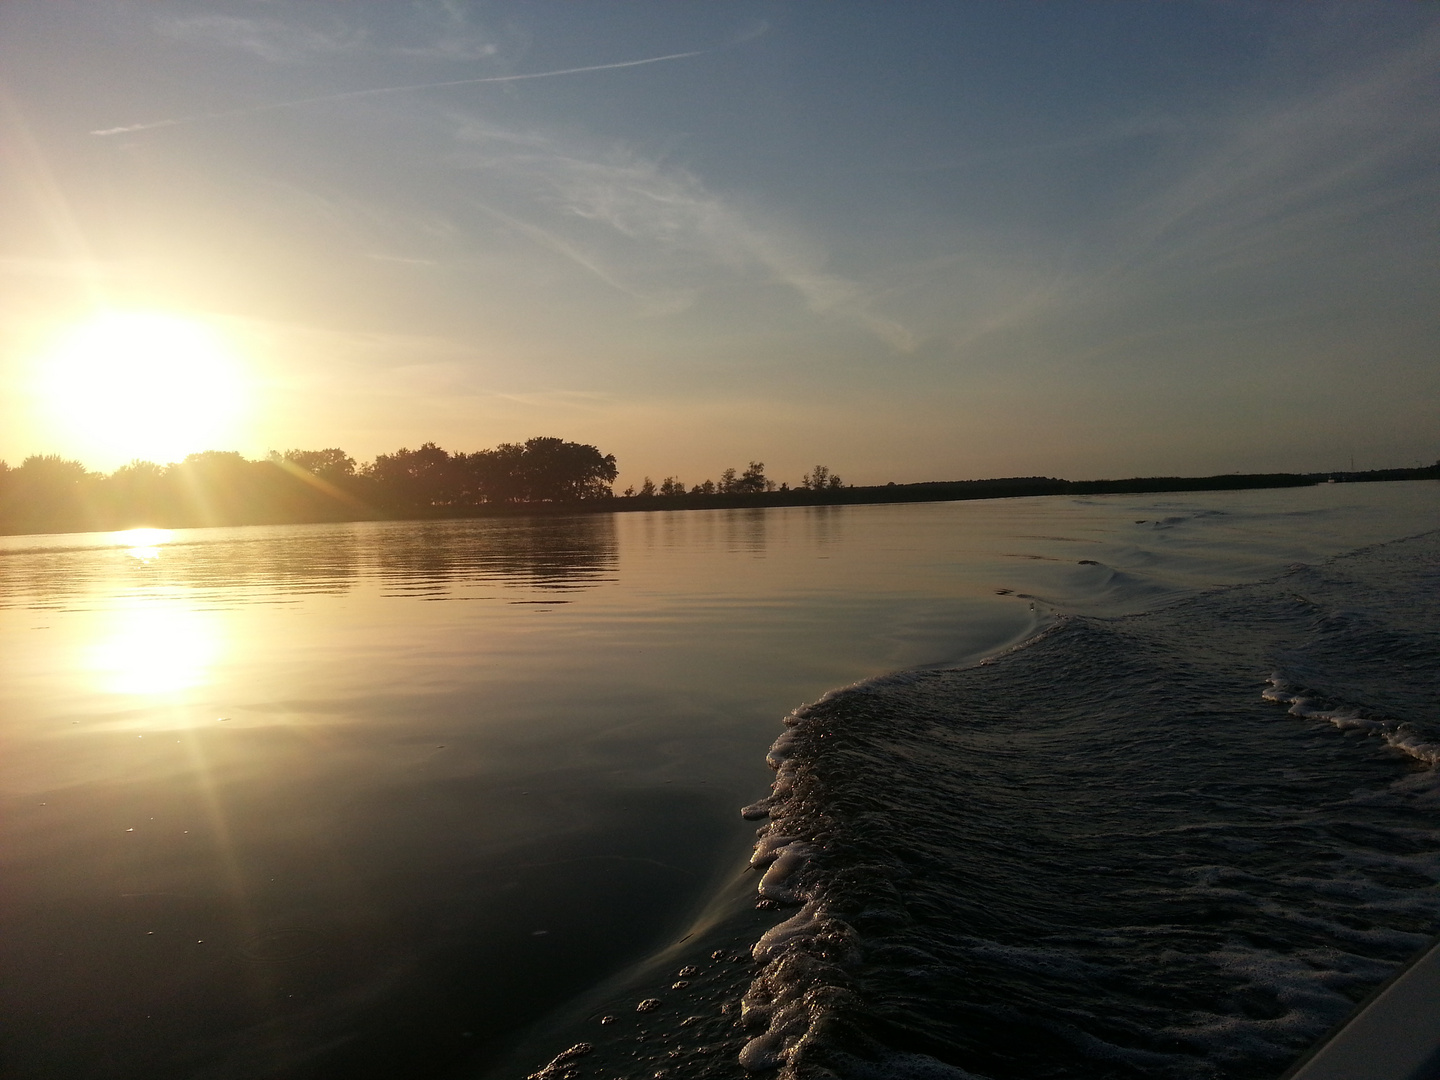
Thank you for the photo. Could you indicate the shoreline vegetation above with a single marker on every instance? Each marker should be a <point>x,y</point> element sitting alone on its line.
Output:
<point>52,494</point>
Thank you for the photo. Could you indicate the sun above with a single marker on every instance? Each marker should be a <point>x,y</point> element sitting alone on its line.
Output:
<point>143,384</point>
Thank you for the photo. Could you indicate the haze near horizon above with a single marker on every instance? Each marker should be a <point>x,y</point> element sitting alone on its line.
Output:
<point>931,242</point>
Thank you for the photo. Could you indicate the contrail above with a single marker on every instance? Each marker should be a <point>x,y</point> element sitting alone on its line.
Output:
<point>394,90</point>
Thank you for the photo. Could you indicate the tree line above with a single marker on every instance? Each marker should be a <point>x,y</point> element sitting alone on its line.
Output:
<point>50,493</point>
<point>751,481</point>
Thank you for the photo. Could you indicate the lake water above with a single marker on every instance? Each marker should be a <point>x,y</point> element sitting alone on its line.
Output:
<point>425,799</point>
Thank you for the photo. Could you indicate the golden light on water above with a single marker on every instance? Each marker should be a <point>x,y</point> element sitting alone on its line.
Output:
<point>143,384</point>
<point>156,645</point>
<point>143,544</point>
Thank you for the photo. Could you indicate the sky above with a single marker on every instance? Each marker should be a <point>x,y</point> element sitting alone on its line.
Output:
<point>920,241</point>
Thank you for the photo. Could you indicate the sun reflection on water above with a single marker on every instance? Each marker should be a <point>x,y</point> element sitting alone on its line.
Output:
<point>156,645</point>
<point>142,544</point>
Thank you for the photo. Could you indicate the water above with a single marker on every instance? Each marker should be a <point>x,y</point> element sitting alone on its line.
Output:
<point>1110,854</point>
<point>423,799</point>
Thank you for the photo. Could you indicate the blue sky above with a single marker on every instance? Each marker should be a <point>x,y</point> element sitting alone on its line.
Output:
<point>911,241</point>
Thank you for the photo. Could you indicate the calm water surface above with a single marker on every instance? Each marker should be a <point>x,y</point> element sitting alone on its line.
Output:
<point>365,800</point>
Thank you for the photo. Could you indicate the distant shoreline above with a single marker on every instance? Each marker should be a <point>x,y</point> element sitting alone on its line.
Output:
<point>925,491</point>
<point>938,491</point>
<point>1011,488</point>
<point>928,491</point>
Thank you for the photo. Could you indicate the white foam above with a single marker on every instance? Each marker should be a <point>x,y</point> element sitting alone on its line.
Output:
<point>1407,742</point>
<point>776,884</point>
<point>780,749</point>
<point>762,1052</point>
<point>780,935</point>
<point>1307,705</point>
<point>767,849</point>
<point>793,991</point>
<point>756,810</point>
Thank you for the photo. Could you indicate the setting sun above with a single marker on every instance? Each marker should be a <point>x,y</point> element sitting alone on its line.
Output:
<point>142,384</point>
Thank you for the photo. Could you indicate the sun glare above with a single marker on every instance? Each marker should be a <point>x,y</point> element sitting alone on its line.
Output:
<point>155,646</point>
<point>141,384</point>
<point>143,544</point>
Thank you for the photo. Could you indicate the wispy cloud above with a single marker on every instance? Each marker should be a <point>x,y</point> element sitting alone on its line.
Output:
<point>273,40</point>
<point>1230,224</point>
<point>1299,164</point>
<point>578,400</point>
<point>401,260</point>
<point>672,229</point>
<point>452,49</point>
<point>453,36</point>
<point>654,301</point>
<point>1112,135</point>
<point>377,91</point>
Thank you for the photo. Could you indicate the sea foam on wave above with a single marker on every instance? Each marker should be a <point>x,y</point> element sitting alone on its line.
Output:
<point>1309,705</point>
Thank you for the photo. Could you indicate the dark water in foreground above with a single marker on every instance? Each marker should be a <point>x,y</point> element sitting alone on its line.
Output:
<point>436,799</point>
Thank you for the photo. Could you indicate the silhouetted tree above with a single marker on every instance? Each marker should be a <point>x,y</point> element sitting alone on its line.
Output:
<point>221,487</point>
<point>411,480</point>
<point>559,471</point>
<point>138,494</point>
<point>647,489</point>
<point>331,464</point>
<point>51,471</point>
<point>672,485</point>
<point>318,485</point>
<point>541,469</point>
<point>754,479</point>
<point>493,476</point>
<point>49,492</point>
<point>821,478</point>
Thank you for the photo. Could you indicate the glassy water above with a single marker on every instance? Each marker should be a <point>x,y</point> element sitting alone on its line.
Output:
<point>367,800</point>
